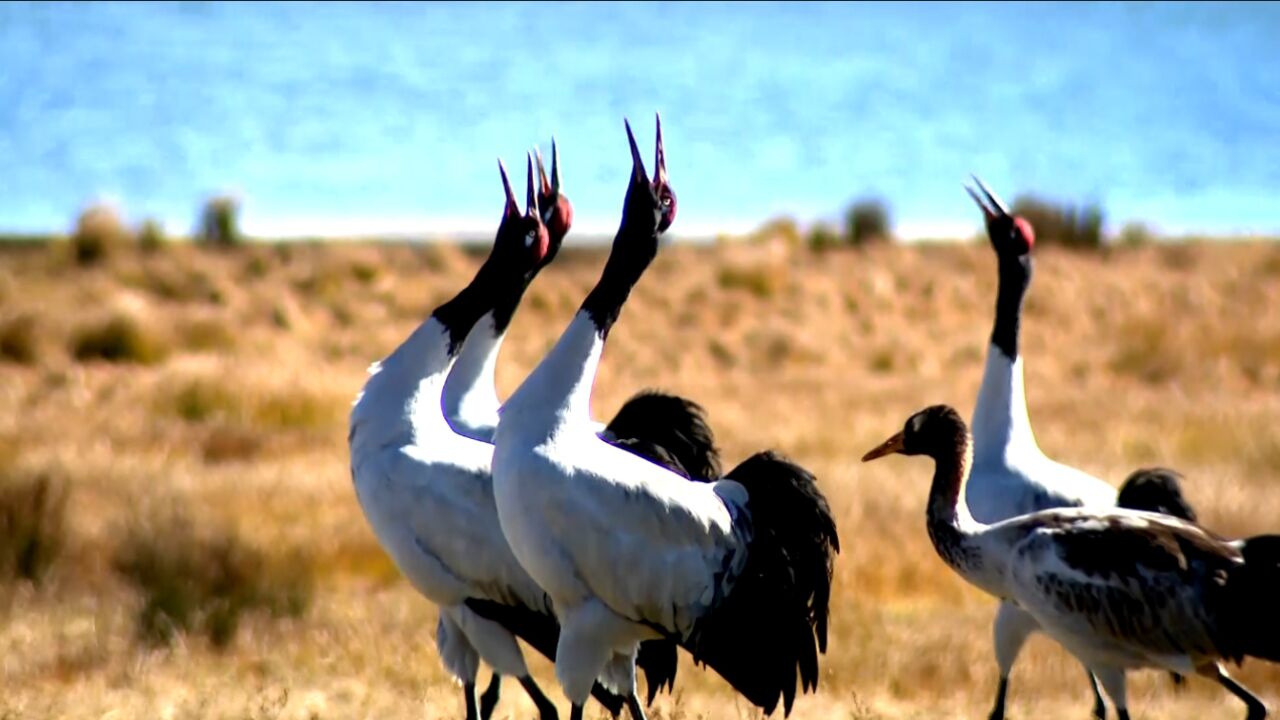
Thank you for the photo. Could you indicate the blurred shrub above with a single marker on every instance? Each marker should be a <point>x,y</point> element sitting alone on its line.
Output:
<point>760,281</point>
<point>219,222</point>
<point>33,524</point>
<point>206,399</point>
<point>204,334</point>
<point>98,233</point>
<point>18,342</point>
<point>867,221</point>
<point>1136,234</point>
<point>231,444</point>
<point>783,228</point>
<point>1062,223</point>
<point>199,578</point>
<point>121,339</point>
<point>151,237</point>
<point>822,237</point>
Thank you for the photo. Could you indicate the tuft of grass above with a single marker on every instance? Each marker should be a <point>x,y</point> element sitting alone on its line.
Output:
<point>294,411</point>
<point>1057,223</point>
<point>99,232</point>
<point>196,578</point>
<point>18,341</point>
<point>759,281</point>
<point>867,221</point>
<point>33,524</point>
<point>231,444</point>
<point>1147,351</point>
<point>259,411</point>
<point>219,222</point>
<point>365,272</point>
<point>780,228</point>
<point>204,399</point>
<point>119,339</point>
<point>204,334</point>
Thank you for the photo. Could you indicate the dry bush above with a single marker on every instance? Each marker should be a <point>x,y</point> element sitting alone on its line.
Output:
<point>99,232</point>
<point>33,524</point>
<point>18,341</point>
<point>1065,224</point>
<point>151,237</point>
<point>868,221</point>
<point>196,577</point>
<point>1135,234</point>
<point>121,338</point>
<point>822,237</point>
<point>784,229</point>
<point>219,223</point>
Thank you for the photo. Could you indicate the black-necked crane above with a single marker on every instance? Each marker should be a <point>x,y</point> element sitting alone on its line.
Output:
<point>1010,474</point>
<point>470,392</point>
<point>1120,589</point>
<point>736,570</point>
<point>426,489</point>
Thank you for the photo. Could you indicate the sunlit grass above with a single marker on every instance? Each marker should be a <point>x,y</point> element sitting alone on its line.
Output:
<point>1152,354</point>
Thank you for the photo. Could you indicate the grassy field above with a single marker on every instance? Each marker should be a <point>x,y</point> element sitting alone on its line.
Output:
<point>185,410</point>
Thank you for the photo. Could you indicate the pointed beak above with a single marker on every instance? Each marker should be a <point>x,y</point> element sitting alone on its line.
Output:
<point>888,447</point>
<point>531,199</point>
<point>543,182</point>
<point>638,173</point>
<point>659,157</point>
<point>991,204</point>
<point>555,166</point>
<point>513,208</point>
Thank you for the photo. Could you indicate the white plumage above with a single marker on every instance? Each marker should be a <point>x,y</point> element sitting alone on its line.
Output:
<point>426,487</point>
<point>630,551</point>
<point>1011,476</point>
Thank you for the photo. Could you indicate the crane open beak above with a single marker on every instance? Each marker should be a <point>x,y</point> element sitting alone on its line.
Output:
<point>531,198</point>
<point>991,204</point>
<point>638,173</point>
<point>545,185</point>
<point>659,157</point>
<point>513,208</point>
<point>888,447</point>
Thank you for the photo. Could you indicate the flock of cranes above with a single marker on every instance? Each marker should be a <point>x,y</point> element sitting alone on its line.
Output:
<point>606,547</point>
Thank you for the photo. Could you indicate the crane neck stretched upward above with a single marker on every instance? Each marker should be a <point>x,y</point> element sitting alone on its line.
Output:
<point>1000,420</point>
<point>1014,278</point>
<point>558,391</point>
<point>634,248</point>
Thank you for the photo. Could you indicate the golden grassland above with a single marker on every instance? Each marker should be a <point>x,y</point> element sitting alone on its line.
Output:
<point>216,384</point>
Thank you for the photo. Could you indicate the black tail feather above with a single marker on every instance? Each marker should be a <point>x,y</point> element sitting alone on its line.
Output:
<point>773,621</point>
<point>671,431</point>
<point>667,429</point>
<point>542,633</point>
<point>658,660</point>
<point>1253,611</point>
<point>1158,490</point>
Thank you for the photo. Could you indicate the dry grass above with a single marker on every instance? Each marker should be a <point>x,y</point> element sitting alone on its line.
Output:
<point>1144,355</point>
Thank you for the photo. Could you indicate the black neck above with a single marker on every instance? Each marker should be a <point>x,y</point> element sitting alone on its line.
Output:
<point>632,252</point>
<point>1015,277</point>
<point>488,291</point>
